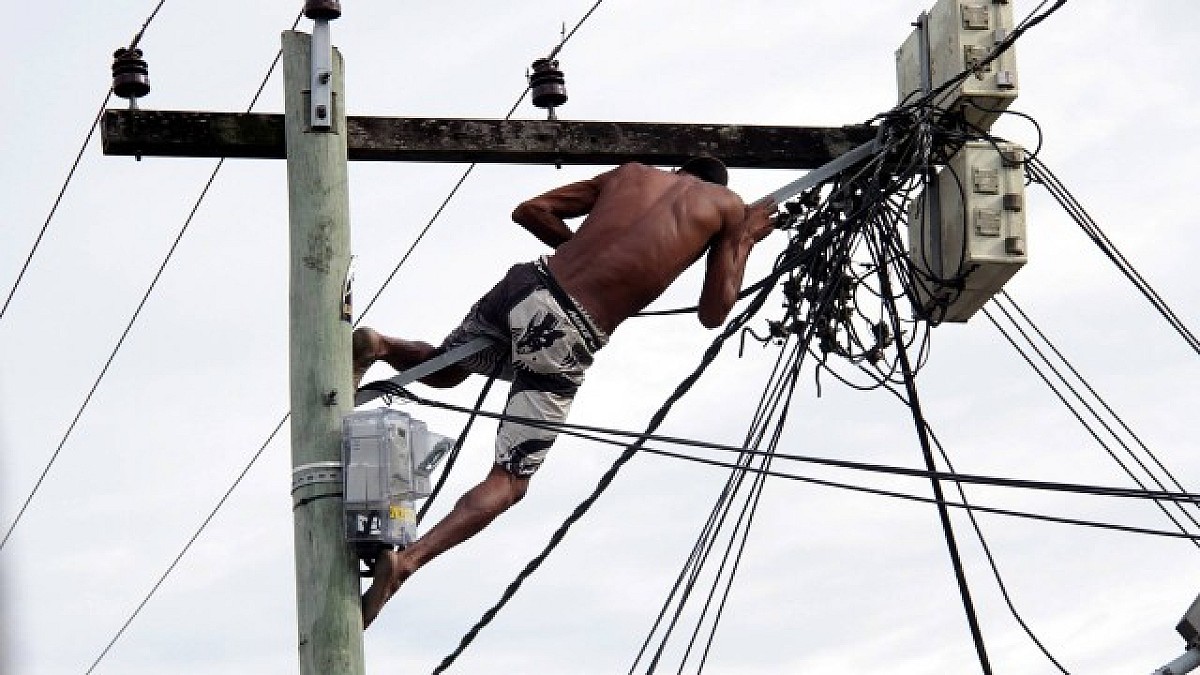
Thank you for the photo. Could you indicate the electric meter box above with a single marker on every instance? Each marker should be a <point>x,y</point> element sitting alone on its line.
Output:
<point>387,457</point>
<point>962,33</point>
<point>977,243</point>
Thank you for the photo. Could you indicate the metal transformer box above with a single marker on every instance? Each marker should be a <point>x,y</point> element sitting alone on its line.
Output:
<point>962,33</point>
<point>977,241</point>
<point>387,456</point>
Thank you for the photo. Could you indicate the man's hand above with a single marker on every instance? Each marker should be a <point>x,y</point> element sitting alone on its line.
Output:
<point>760,218</point>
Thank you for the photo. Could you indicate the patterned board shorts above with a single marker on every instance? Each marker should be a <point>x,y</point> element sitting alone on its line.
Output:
<point>545,343</point>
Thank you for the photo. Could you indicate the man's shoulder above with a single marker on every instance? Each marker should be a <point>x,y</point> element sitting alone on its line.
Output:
<point>636,167</point>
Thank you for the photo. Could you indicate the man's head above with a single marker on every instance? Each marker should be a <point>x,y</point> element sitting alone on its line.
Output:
<point>706,168</point>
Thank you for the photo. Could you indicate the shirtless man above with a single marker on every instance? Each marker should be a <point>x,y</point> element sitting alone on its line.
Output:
<point>644,227</point>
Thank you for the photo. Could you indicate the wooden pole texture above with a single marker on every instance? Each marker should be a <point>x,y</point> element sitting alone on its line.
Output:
<point>327,582</point>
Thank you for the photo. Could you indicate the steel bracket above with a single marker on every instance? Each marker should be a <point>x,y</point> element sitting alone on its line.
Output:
<point>320,105</point>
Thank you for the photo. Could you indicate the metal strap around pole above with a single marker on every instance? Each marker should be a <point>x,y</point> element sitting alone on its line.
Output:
<point>429,367</point>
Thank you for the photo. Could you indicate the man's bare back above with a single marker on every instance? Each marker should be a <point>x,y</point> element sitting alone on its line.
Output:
<point>644,227</point>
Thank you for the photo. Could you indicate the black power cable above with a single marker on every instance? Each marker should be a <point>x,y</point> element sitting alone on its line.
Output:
<point>914,405</point>
<point>747,518</point>
<point>605,480</point>
<point>600,435</point>
<point>714,520</point>
<point>987,549</point>
<point>991,559</point>
<point>1092,391</point>
<point>1045,378</point>
<point>769,406</point>
<point>1042,175</point>
<point>586,433</point>
<point>458,444</point>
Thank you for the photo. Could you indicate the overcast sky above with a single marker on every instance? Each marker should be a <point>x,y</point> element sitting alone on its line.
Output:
<point>831,581</point>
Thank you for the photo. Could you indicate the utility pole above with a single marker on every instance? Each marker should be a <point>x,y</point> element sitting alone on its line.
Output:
<point>327,582</point>
<point>317,139</point>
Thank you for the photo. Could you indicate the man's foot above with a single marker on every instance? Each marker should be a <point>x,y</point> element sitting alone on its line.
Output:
<point>368,347</point>
<point>390,572</point>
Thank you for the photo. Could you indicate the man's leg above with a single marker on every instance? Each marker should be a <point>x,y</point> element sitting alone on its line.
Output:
<point>371,346</point>
<point>474,510</point>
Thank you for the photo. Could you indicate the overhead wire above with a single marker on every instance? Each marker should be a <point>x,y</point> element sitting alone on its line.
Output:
<point>463,178</point>
<point>712,524</point>
<point>827,347</point>
<point>784,373</point>
<point>992,564</point>
<point>743,525</point>
<point>1078,416</point>
<point>452,458</point>
<point>137,38</point>
<point>592,433</point>
<point>600,434</point>
<point>1063,359</point>
<point>603,484</point>
<point>186,547</point>
<point>1039,173</point>
<point>987,549</point>
<point>771,407</point>
<point>132,320</point>
<point>779,406</point>
<point>37,242</point>
<point>254,458</point>
<point>926,450</point>
<point>1042,175</point>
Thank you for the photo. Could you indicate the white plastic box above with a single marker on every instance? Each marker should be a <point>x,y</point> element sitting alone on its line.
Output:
<point>961,34</point>
<point>981,230</point>
<point>388,457</point>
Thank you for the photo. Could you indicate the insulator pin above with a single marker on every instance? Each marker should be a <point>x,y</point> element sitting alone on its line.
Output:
<point>548,84</point>
<point>322,10</point>
<point>131,74</point>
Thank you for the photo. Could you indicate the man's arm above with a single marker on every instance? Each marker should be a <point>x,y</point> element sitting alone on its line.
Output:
<point>543,215</point>
<point>727,262</point>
